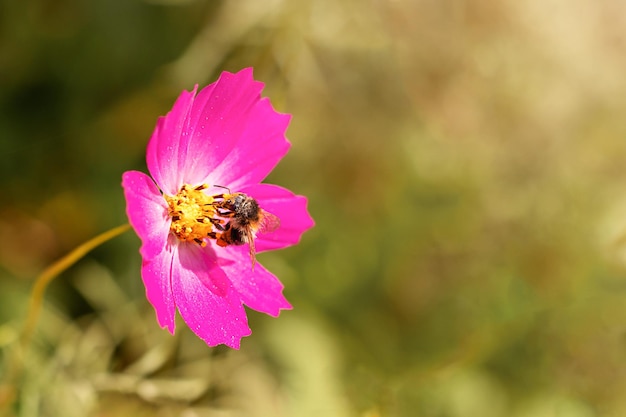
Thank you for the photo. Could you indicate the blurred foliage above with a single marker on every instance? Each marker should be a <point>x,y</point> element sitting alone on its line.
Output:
<point>464,162</point>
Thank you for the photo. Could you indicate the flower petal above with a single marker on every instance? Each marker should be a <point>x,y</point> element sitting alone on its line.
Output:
<point>156,275</point>
<point>261,146</point>
<point>291,209</point>
<point>147,212</point>
<point>259,288</point>
<point>227,135</point>
<point>206,298</point>
<point>167,149</point>
<point>218,120</point>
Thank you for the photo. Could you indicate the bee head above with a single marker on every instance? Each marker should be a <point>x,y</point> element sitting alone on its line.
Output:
<point>237,201</point>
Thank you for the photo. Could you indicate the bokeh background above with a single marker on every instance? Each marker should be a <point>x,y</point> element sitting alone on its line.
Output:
<point>465,161</point>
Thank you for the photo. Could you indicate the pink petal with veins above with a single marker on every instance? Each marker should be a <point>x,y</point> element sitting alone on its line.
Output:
<point>291,209</point>
<point>147,212</point>
<point>259,288</point>
<point>167,149</point>
<point>156,275</point>
<point>205,297</point>
<point>220,116</point>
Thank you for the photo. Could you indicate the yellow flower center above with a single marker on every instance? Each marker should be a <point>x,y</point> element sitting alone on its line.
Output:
<point>192,214</point>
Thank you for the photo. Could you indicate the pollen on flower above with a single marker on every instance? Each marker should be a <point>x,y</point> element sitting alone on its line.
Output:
<point>193,214</point>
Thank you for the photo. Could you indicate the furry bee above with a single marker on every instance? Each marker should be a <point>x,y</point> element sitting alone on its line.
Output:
<point>246,220</point>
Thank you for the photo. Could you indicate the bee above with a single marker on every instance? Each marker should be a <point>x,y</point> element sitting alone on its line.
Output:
<point>246,220</point>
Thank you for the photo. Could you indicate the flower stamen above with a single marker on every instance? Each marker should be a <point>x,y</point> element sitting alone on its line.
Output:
<point>192,213</point>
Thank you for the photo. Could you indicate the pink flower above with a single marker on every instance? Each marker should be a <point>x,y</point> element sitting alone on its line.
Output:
<point>211,146</point>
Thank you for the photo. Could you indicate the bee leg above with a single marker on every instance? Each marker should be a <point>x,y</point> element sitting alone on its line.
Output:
<point>225,213</point>
<point>218,224</point>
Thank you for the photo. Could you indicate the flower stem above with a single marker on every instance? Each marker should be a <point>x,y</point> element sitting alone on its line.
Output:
<point>42,281</point>
<point>8,391</point>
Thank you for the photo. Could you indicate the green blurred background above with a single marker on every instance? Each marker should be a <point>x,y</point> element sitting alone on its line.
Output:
<point>465,162</point>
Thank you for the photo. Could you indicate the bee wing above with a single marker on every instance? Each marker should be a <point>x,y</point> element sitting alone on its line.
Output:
<point>268,223</point>
<point>250,238</point>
